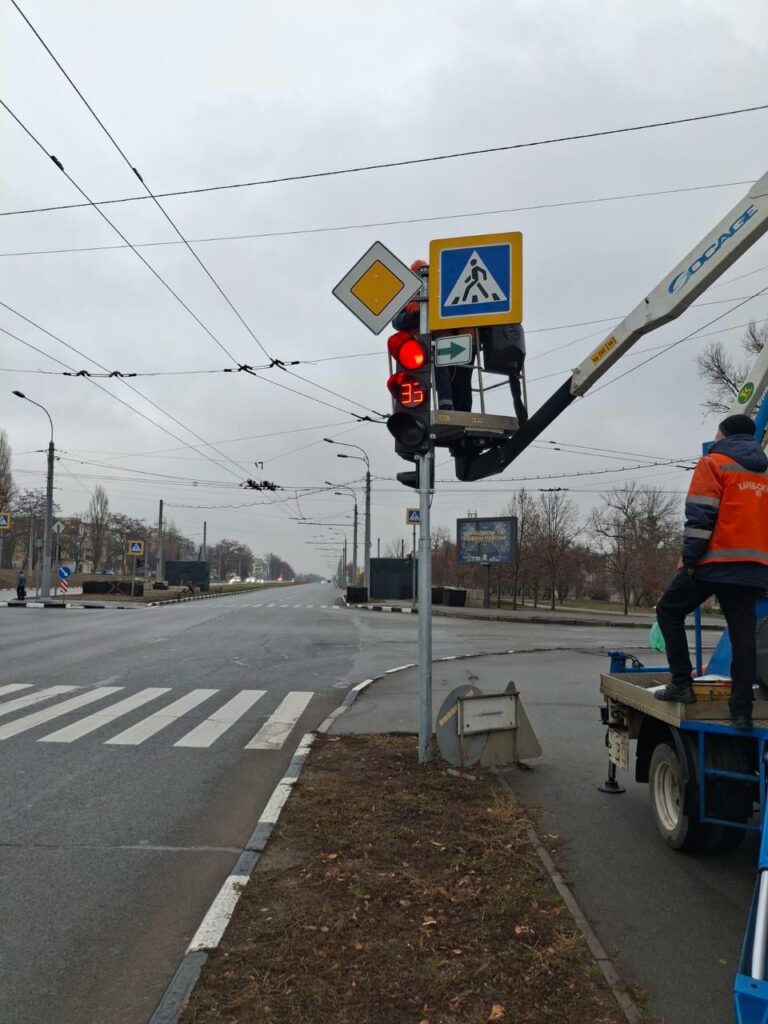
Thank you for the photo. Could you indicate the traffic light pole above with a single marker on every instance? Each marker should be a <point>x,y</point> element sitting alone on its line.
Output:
<point>424,465</point>
<point>425,613</point>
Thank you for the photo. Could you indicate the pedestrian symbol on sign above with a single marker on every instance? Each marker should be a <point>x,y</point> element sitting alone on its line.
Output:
<point>136,547</point>
<point>475,284</point>
<point>413,516</point>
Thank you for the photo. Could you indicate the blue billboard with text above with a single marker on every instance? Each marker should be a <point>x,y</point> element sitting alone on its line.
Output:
<point>486,540</point>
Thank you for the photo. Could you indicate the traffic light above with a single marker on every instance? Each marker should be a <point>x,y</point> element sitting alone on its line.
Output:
<point>412,477</point>
<point>411,388</point>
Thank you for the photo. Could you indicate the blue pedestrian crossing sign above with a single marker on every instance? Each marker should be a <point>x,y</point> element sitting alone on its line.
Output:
<point>5,520</point>
<point>412,516</point>
<point>476,280</point>
<point>136,547</point>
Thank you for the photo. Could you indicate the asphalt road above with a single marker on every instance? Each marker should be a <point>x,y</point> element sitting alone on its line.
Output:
<point>117,831</point>
<point>118,824</point>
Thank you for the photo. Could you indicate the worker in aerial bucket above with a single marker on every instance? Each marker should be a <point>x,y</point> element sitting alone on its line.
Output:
<point>725,553</point>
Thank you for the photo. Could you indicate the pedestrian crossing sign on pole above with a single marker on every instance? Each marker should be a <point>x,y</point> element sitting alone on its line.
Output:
<point>136,547</point>
<point>5,520</point>
<point>476,280</point>
<point>413,516</point>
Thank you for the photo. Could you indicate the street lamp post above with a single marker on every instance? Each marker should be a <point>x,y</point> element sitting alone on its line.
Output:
<point>354,528</point>
<point>45,582</point>
<point>366,460</point>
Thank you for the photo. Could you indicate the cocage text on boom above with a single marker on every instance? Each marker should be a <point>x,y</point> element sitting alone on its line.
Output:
<point>679,281</point>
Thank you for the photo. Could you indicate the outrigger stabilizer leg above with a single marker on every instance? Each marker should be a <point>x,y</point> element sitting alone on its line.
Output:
<point>611,785</point>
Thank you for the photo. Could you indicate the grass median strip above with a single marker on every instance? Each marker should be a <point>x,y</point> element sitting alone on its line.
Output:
<point>393,893</point>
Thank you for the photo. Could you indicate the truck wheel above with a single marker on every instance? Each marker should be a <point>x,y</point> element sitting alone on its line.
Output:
<point>679,830</point>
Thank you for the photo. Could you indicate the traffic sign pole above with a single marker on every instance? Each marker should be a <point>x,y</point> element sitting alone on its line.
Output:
<point>424,463</point>
<point>413,568</point>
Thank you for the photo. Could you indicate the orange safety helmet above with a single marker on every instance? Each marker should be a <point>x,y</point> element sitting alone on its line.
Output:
<point>413,307</point>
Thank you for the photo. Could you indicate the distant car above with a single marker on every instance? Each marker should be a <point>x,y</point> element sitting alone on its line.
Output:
<point>104,572</point>
<point>234,579</point>
<point>251,579</point>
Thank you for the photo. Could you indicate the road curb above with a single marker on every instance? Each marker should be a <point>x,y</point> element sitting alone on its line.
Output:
<point>627,1005</point>
<point>211,929</point>
<point>205,597</point>
<point>68,605</point>
<point>489,616</point>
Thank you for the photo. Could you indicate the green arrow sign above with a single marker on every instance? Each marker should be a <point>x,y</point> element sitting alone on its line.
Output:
<point>454,351</point>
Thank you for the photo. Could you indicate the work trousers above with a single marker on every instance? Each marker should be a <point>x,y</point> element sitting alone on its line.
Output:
<point>685,594</point>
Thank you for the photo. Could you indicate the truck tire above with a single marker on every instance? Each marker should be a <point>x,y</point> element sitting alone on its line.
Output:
<point>679,830</point>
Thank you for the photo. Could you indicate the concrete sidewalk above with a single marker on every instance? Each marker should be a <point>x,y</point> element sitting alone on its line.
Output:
<point>561,616</point>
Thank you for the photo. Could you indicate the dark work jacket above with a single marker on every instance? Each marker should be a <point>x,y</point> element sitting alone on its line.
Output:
<point>723,520</point>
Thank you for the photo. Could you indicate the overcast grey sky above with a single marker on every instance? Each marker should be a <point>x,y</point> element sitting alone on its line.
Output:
<point>201,94</point>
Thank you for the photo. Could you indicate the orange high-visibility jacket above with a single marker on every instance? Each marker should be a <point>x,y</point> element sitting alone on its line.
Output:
<point>726,514</point>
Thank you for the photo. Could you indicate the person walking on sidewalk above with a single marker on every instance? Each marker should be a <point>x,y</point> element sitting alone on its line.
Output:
<point>725,553</point>
<point>21,586</point>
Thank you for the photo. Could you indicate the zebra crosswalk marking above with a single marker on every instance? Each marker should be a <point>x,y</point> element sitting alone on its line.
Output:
<point>57,711</point>
<point>103,717</point>
<point>281,722</point>
<point>212,728</point>
<point>148,727</point>
<point>13,687</point>
<point>33,698</point>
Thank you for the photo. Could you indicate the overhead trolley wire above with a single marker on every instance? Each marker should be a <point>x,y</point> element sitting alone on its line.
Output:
<point>385,223</point>
<point>175,294</point>
<point>274,362</point>
<point>116,398</point>
<point>131,387</point>
<point>414,161</point>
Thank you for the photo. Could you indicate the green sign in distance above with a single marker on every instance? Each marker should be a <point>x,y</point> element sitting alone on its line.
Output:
<point>454,350</point>
<point>746,393</point>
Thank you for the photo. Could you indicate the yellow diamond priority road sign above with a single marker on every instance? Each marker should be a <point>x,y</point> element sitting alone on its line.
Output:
<point>377,287</point>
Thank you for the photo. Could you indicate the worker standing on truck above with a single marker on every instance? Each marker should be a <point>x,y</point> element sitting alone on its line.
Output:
<point>725,553</point>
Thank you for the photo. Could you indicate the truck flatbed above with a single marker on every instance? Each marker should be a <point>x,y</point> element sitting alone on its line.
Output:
<point>633,690</point>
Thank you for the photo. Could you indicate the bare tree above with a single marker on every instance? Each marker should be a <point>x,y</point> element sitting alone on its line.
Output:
<point>523,507</point>
<point>723,374</point>
<point>636,531</point>
<point>556,529</point>
<point>98,521</point>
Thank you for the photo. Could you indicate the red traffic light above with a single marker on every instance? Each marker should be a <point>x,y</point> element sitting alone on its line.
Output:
<point>408,390</point>
<point>407,350</point>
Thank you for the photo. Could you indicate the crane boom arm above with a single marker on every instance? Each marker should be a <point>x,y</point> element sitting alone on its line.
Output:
<point>711,257</point>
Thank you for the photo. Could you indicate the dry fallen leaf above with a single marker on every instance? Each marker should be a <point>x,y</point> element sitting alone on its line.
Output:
<point>497,1012</point>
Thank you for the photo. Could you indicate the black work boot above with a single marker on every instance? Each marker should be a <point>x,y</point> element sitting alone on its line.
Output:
<point>680,692</point>
<point>741,720</point>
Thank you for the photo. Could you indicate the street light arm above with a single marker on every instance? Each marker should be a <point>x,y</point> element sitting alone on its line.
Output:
<point>346,444</point>
<point>20,394</point>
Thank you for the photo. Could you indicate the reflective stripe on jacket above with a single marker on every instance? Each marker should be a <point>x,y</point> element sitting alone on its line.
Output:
<point>726,512</point>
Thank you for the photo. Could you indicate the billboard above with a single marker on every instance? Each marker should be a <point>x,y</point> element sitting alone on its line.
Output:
<point>486,540</point>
